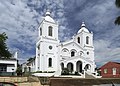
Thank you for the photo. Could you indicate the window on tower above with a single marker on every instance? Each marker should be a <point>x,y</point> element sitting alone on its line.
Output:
<point>50,31</point>
<point>87,40</point>
<point>72,53</point>
<point>78,40</point>
<point>40,31</point>
<point>50,62</point>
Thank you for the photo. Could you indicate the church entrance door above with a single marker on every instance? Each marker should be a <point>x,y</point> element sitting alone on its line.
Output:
<point>79,66</point>
<point>70,67</point>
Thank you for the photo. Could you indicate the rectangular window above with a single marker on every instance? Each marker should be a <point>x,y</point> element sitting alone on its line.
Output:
<point>105,71</point>
<point>114,71</point>
<point>3,69</point>
<point>50,29</point>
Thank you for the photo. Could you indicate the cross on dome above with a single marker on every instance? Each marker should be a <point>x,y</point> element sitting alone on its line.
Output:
<point>83,28</point>
<point>47,13</point>
<point>83,24</point>
<point>48,17</point>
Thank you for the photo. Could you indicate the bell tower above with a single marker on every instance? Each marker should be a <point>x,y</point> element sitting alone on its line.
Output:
<point>48,27</point>
<point>85,39</point>
<point>47,45</point>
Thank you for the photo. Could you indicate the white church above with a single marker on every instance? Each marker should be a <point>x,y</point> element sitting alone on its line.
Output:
<point>76,54</point>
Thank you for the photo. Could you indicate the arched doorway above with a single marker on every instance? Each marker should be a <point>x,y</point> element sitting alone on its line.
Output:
<point>70,67</point>
<point>87,67</point>
<point>79,66</point>
<point>62,66</point>
<point>29,69</point>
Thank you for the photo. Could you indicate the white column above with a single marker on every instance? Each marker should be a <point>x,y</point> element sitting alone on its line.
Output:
<point>65,64</point>
<point>36,60</point>
<point>74,69</point>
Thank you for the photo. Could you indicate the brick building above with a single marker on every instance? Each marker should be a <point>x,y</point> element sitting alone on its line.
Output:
<point>110,70</point>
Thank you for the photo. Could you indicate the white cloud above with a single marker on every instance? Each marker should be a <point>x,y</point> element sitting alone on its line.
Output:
<point>20,18</point>
<point>19,21</point>
<point>104,53</point>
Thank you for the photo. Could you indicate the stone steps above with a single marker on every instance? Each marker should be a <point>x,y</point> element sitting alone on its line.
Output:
<point>87,76</point>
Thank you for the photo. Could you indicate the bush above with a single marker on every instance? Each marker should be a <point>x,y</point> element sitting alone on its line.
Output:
<point>65,71</point>
<point>38,72</point>
<point>51,71</point>
<point>76,73</point>
<point>45,72</point>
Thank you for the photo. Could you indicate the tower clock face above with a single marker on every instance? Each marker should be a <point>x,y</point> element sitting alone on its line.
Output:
<point>50,47</point>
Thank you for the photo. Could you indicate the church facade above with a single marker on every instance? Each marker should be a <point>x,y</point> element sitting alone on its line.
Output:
<point>76,54</point>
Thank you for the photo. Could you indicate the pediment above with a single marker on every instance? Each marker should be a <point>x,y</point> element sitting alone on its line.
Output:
<point>73,44</point>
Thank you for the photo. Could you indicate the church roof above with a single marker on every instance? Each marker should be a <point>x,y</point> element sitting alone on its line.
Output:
<point>83,28</point>
<point>48,17</point>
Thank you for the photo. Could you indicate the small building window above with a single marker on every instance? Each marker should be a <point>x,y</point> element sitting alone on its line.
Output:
<point>78,40</point>
<point>114,71</point>
<point>87,40</point>
<point>105,71</point>
<point>40,31</point>
<point>72,53</point>
<point>50,31</point>
<point>50,62</point>
<point>3,68</point>
<point>87,53</point>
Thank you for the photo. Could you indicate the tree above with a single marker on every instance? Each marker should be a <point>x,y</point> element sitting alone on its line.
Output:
<point>19,69</point>
<point>30,59</point>
<point>3,47</point>
<point>117,21</point>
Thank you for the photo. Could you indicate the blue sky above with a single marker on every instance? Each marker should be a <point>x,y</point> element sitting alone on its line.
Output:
<point>20,20</point>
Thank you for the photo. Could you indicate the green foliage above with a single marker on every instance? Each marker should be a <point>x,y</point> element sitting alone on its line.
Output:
<point>51,71</point>
<point>65,71</point>
<point>19,69</point>
<point>117,3</point>
<point>38,72</point>
<point>30,59</point>
<point>3,47</point>
<point>76,73</point>
<point>117,20</point>
<point>45,72</point>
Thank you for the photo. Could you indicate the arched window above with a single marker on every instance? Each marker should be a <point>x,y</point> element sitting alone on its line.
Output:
<point>40,31</point>
<point>72,53</point>
<point>65,52</point>
<point>87,40</point>
<point>78,40</point>
<point>50,31</point>
<point>50,62</point>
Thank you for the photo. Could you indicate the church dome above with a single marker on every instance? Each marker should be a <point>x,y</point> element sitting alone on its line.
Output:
<point>83,28</point>
<point>48,17</point>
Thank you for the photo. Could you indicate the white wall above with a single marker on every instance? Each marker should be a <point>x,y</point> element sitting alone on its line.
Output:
<point>11,64</point>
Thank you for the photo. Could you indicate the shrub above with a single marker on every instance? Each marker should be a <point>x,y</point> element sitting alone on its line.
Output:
<point>45,72</point>
<point>65,71</point>
<point>51,71</point>
<point>76,73</point>
<point>38,72</point>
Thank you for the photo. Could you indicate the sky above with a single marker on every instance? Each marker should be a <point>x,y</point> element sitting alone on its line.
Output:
<point>20,19</point>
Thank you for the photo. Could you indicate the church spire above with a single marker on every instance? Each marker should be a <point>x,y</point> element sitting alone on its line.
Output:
<point>47,13</point>
<point>83,24</point>
<point>83,28</point>
<point>48,17</point>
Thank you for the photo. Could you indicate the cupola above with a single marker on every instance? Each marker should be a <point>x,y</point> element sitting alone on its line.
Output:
<point>83,28</point>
